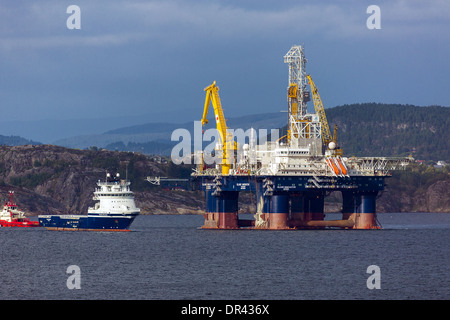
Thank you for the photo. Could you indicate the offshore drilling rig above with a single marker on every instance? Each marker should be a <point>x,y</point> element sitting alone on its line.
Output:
<point>291,176</point>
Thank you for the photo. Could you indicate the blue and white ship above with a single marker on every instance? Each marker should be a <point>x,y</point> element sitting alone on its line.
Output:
<point>114,211</point>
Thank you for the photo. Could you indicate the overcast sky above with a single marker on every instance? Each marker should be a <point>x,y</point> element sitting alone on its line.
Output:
<point>154,58</point>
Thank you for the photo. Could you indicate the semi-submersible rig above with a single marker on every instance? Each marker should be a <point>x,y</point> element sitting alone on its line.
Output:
<point>291,176</point>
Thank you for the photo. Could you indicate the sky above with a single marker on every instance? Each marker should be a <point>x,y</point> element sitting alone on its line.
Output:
<point>152,59</point>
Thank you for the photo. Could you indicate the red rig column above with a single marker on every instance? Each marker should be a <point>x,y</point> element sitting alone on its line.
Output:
<point>211,216</point>
<point>227,207</point>
<point>361,208</point>
<point>367,214</point>
<point>279,211</point>
<point>222,210</point>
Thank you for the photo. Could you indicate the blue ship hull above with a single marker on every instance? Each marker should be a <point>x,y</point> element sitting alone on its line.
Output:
<point>90,222</point>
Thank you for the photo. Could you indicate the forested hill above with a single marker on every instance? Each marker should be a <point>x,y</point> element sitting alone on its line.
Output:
<point>367,129</point>
<point>374,129</point>
<point>16,141</point>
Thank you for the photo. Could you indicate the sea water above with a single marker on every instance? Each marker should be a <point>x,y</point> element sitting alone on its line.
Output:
<point>168,257</point>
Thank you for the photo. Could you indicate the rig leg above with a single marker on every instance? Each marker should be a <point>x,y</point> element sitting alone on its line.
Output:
<point>227,208</point>
<point>361,208</point>
<point>222,210</point>
<point>279,211</point>
<point>211,216</point>
<point>367,218</point>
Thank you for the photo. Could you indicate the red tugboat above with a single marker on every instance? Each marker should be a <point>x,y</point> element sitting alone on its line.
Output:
<point>10,216</point>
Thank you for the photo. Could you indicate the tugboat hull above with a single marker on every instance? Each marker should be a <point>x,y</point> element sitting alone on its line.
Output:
<point>20,224</point>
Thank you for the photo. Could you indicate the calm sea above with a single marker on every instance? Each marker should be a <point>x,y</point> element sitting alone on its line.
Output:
<point>168,257</point>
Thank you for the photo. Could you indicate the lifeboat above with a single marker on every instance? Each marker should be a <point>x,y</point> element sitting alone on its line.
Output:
<point>333,166</point>
<point>341,165</point>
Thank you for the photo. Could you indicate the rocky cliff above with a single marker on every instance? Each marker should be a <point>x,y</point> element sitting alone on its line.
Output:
<point>434,198</point>
<point>49,179</point>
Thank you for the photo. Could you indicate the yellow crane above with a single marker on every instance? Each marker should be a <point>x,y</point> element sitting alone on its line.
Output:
<point>228,145</point>
<point>318,106</point>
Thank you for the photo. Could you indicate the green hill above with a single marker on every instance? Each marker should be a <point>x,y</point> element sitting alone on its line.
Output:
<point>16,141</point>
<point>391,130</point>
<point>374,129</point>
<point>366,129</point>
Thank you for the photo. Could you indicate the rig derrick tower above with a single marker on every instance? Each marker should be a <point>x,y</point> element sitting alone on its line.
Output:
<point>297,96</point>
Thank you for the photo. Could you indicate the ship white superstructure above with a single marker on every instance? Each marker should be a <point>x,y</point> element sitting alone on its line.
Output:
<point>114,197</point>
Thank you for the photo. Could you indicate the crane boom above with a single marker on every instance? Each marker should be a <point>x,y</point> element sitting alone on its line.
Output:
<point>326,133</point>
<point>318,106</point>
<point>228,145</point>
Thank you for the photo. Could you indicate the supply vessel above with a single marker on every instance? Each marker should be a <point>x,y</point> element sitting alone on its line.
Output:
<point>114,211</point>
<point>289,176</point>
<point>11,216</point>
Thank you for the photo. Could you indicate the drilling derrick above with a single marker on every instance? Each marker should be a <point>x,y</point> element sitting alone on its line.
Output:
<point>290,179</point>
<point>298,96</point>
<point>304,129</point>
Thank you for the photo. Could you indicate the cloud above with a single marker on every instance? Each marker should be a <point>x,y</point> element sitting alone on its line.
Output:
<point>112,23</point>
<point>66,41</point>
<point>343,20</point>
<point>401,19</point>
<point>221,20</point>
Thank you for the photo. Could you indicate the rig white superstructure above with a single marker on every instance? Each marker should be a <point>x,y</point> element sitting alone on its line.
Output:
<point>307,149</point>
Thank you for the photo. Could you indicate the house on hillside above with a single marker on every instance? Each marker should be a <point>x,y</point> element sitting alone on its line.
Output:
<point>440,164</point>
